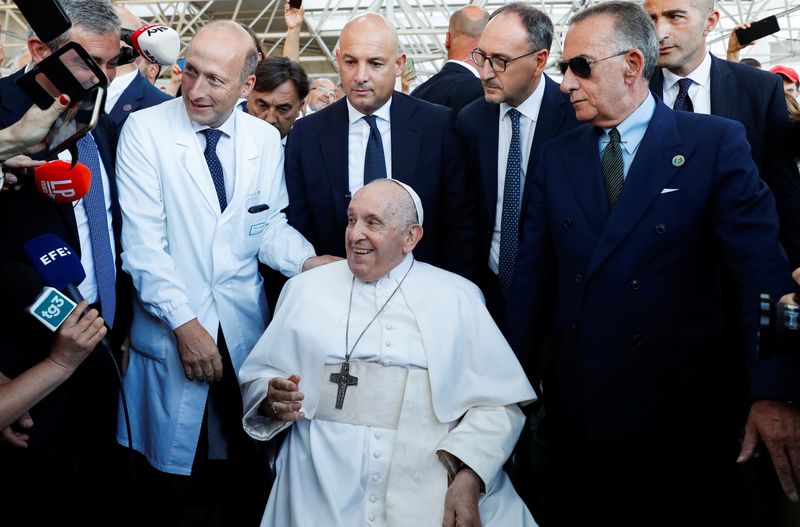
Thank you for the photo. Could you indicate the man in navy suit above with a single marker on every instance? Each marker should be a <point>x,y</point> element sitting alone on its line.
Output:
<point>458,82</point>
<point>728,89</point>
<point>130,90</point>
<point>629,221</point>
<point>376,132</point>
<point>512,54</point>
<point>69,461</point>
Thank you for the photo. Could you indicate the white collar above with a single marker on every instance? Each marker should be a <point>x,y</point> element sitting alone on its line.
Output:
<point>701,74</point>
<point>382,112</point>
<point>226,128</point>
<point>530,107</point>
<point>467,65</point>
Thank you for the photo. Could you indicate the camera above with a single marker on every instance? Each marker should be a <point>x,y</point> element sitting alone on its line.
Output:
<point>779,327</point>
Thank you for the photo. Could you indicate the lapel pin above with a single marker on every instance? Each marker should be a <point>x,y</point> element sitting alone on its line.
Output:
<point>678,160</point>
<point>127,107</point>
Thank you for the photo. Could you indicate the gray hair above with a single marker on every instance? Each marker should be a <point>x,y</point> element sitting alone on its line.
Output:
<point>95,16</point>
<point>537,23</point>
<point>704,6</point>
<point>633,29</point>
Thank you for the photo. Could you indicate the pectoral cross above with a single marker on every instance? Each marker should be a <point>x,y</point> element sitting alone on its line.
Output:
<point>344,380</point>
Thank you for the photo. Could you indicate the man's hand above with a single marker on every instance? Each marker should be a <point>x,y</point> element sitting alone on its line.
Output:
<point>461,500</point>
<point>293,17</point>
<point>316,261</point>
<point>77,337</point>
<point>14,438</point>
<point>789,298</point>
<point>406,79</point>
<point>19,162</point>
<point>283,399</point>
<point>733,43</point>
<point>199,353</point>
<point>778,425</point>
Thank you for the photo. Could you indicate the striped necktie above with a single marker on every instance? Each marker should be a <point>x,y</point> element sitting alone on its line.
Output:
<point>612,166</point>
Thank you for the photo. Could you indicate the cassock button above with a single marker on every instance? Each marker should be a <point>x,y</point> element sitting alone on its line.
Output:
<point>661,228</point>
<point>377,454</point>
<point>388,344</point>
<point>389,327</point>
<point>373,499</point>
<point>372,517</point>
<point>376,477</point>
<point>378,435</point>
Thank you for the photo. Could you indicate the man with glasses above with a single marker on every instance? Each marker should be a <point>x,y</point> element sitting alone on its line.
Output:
<point>629,221</point>
<point>376,132</point>
<point>505,130</point>
<point>321,94</point>
<point>70,459</point>
<point>689,78</point>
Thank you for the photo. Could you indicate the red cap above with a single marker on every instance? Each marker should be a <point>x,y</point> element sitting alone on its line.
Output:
<point>786,72</point>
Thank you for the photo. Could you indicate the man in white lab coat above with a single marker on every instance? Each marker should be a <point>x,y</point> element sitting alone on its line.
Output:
<point>202,190</point>
<point>402,392</point>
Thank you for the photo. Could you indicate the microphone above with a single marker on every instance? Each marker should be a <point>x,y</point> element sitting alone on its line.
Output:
<point>59,267</point>
<point>57,180</point>
<point>157,43</point>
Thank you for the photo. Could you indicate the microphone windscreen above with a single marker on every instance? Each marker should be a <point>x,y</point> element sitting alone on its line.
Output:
<point>157,43</point>
<point>60,183</point>
<point>55,261</point>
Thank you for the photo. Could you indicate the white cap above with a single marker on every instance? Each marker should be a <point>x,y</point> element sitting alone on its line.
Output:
<point>414,198</point>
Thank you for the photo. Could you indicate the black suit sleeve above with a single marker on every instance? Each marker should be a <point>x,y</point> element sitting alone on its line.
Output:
<point>299,210</point>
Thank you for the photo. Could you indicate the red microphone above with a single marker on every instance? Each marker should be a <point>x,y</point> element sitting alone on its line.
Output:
<point>157,43</point>
<point>58,182</point>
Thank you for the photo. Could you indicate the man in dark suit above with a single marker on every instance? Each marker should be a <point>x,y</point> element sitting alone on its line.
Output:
<point>630,219</point>
<point>70,457</point>
<point>130,90</point>
<point>728,89</point>
<point>458,82</point>
<point>376,132</point>
<point>513,87</point>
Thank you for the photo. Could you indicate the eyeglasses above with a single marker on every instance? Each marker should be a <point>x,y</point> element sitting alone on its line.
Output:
<point>325,91</point>
<point>498,64</point>
<point>581,66</point>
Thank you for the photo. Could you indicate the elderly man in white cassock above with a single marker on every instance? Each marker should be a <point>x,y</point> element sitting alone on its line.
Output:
<point>403,394</point>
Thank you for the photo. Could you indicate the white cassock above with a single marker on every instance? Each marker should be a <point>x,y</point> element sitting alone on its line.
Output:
<point>458,392</point>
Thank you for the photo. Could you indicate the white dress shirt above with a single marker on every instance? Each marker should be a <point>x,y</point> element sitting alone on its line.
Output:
<point>699,91</point>
<point>358,136</point>
<point>529,111</point>
<point>467,65</point>
<point>117,86</point>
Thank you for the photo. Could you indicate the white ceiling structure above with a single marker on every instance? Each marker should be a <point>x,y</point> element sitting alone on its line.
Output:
<point>421,23</point>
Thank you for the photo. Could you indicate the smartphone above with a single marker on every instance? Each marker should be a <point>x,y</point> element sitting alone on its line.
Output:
<point>295,4</point>
<point>181,63</point>
<point>46,17</point>
<point>78,120</point>
<point>69,70</point>
<point>758,29</point>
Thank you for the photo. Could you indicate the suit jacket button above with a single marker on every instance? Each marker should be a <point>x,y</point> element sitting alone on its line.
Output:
<point>661,228</point>
<point>567,223</point>
<point>638,341</point>
<point>635,284</point>
<point>574,328</point>
<point>578,278</point>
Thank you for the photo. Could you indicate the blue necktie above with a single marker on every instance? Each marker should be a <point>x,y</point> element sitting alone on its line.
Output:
<point>509,223</point>
<point>214,166</point>
<point>94,204</point>
<point>682,101</point>
<point>374,162</point>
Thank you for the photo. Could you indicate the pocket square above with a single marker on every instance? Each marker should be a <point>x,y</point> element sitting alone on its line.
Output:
<point>668,190</point>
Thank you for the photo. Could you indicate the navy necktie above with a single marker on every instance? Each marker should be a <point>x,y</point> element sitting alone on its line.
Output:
<point>374,162</point>
<point>214,166</point>
<point>94,203</point>
<point>613,167</point>
<point>682,101</point>
<point>509,222</point>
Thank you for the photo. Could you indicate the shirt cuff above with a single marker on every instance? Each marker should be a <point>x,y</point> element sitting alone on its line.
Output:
<point>179,316</point>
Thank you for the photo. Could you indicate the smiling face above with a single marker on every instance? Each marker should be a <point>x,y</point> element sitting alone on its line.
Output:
<point>380,230</point>
<point>212,79</point>
<point>682,27</point>
<point>368,62</point>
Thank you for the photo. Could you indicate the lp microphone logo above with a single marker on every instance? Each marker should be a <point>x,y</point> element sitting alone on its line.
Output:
<point>58,188</point>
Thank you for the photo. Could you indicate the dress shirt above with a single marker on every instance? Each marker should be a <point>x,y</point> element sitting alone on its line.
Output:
<point>357,143</point>
<point>529,114</point>
<point>225,150</point>
<point>88,287</point>
<point>699,91</point>
<point>631,131</point>
<point>115,89</point>
<point>467,65</point>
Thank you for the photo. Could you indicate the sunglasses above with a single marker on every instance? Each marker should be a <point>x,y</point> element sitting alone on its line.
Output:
<point>581,66</point>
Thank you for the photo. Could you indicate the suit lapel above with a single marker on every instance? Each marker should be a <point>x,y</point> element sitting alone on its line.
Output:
<point>724,91</point>
<point>334,139</point>
<point>131,98</point>
<point>582,170</point>
<point>657,83</point>
<point>488,129</point>
<point>406,139</point>
<point>246,153</point>
<point>649,174</point>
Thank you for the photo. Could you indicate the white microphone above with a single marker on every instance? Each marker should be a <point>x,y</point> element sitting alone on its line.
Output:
<point>157,43</point>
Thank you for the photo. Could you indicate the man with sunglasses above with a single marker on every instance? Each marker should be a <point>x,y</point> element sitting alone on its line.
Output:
<point>70,459</point>
<point>505,130</point>
<point>689,78</point>
<point>629,221</point>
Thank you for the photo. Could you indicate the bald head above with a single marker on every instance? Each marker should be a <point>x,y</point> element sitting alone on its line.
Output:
<point>128,20</point>
<point>464,31</point>
<point>373,23</point>
<point>233,36</point>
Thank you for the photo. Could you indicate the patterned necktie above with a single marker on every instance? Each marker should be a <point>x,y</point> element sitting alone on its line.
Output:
<point>682,101</point>
<point>94,203</point>
<point>214,166</point>
<point>509,222</point>
<point>612,165</point>
<point>374,162</point>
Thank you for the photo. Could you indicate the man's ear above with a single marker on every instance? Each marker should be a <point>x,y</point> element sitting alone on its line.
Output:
<point>634,61</point>
<point>38,49</point>
<point>413,236</point>
<point>247,87</point>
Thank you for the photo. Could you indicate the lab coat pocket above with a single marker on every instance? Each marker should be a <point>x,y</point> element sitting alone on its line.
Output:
<point>149,336</point>
<point>254,223</point>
